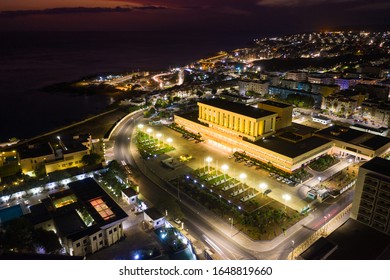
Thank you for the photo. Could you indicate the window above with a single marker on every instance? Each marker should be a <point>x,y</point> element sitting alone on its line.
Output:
<point>78,244</point>
<point>120,225</point>
<point>94,238</point>
<point>110,231</point>
<point>114,229</point>
<point>101,243</point>
<point>85,241</point>
<point>100,234</point>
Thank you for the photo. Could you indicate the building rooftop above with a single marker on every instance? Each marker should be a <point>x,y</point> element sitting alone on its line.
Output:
<point>79,211</point>
<point>292,149</point>
<point>238,108</point>
<point>353,136</point>
<point>320,250</point>
<point>340,133</point>
<point>72,147</point>
<point>276,104</point>
<point>129,192</point>
<point>36,150</point>
<point>379,165</point>
<point>153,213</point>
<point>357,241</point>
<point>97,202</point>
<point>376,142</point>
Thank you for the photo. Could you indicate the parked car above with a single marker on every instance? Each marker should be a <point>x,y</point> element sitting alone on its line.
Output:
<point>267,191</point>
<point>177,221</point>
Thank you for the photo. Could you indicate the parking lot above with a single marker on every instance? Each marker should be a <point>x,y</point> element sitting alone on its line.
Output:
<point>201,150</point>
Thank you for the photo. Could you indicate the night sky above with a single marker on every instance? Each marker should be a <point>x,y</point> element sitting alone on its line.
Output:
<point>250,16</point>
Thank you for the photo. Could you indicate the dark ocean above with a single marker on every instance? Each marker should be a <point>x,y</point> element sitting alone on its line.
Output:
<point>31,61</point>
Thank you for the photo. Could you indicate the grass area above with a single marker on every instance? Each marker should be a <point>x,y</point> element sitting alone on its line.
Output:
<point>149,146</point>
<point>261,218</point>
<point>324,163</point>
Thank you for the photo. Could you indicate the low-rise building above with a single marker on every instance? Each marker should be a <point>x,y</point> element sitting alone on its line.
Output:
<point>69,156</point>
<point>346,83</point>
<point>35,156</point>
<point>361,145</point>
<point>85,217</point>
<point>283,93</point>
<point>376,111</point>
<point>130,196</point>
<point>258,87</point>
<point>154,217</point>
<point>296,75</point>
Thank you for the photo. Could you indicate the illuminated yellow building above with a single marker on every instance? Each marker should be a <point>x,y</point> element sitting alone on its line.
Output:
<point>283,110</point>
<point>236,127</point>
<point>237,119</point>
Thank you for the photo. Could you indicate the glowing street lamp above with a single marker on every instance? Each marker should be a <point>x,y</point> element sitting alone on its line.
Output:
<point>286,198</point>
<point>242,177</point>
<point>231,227</point>
<point>224,168</point>
<point>208,159</point>
<point>158,136</point>
<point>140,126</point>
<point>169,141</point>
<point>262,186</point>
<point>149,131</point>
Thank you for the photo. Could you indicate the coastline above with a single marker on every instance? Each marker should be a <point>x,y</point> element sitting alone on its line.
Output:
<point>96,125</point>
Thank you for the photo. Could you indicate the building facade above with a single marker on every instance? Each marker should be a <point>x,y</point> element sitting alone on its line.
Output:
<point>259,87</point>
<point>237,119</point>
<point>371,203</point>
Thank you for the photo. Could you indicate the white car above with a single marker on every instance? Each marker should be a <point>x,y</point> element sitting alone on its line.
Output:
<point>177,221</point>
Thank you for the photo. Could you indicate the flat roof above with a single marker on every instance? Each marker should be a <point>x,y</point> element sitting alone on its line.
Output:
<point>153,213</point>
<point>292,149</point>
<point>340,133</point>
<point>357,241</point>
<point>129,192</point>
<point>238,108</point>
<point>275,103</point>
<point>72,147</point>
<point>379,165</point>
<point>376,142</point>
<point>69,222</point>
<point>88,192</point>
<point>36,150</point>
<point>376,129</point>
<point>355,137</point>
<point>319,250</point>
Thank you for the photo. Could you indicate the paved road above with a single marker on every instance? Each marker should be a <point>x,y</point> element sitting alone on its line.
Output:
<point>208,228</point>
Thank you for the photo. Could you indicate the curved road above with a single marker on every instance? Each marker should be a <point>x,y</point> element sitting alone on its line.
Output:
<point>153,189</point>
<point>215,236</point>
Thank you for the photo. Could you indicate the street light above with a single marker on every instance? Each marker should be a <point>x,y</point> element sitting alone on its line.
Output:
<point>262,186</point>
<point>158,136</point>
<point>169,140</point>
<point>140,126</point>
<point>231,227</point>
<point>286,198</point>
<point>224,168</point>
<point>242,177</point>
<point>208,159</point>
<point>149,130</point>
<point>292,252</point>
